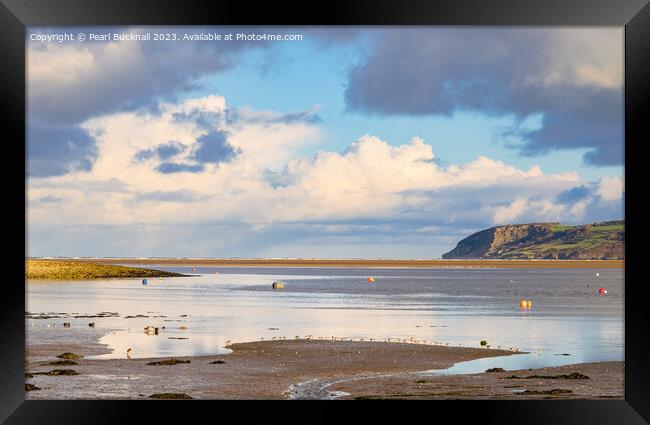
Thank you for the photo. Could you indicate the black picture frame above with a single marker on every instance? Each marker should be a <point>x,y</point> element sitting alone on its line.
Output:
<point>16,15</point>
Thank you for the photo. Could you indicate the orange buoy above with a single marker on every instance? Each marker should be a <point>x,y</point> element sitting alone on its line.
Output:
<point>523,303</point>
<point>371,279</point>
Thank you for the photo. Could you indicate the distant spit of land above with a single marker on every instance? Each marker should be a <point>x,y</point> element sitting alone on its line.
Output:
<point>364,263</point>
<point>78,270</point>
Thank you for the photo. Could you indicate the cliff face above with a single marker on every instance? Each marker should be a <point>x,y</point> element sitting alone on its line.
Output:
<point>597,241</point>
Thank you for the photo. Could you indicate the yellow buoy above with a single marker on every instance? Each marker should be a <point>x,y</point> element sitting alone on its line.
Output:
<point>278,285</point>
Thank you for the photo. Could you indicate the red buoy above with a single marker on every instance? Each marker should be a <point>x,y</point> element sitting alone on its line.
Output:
<point>601,291</point>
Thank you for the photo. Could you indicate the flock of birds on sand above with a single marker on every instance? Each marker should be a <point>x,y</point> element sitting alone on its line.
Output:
<point>151,330</point>
<point>409,340</point>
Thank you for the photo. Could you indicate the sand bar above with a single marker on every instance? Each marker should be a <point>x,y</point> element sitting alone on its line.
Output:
<point>254,370</point>
<point>43,269</point>
<point>370,263</point>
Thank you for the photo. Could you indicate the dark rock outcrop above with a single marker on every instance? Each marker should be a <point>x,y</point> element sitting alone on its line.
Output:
<point>58,372</point>
<point>69,356</point>
<point>169,362</point>
<point>171,396</point>
<point>495,370</point>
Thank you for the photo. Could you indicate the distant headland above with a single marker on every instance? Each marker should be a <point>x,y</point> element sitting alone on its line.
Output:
<point>545,241</point>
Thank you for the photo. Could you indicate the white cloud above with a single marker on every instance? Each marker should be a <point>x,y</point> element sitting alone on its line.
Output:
<point>262,186</point>
<point>584,57</point>
<point>610,188</point>
<point>524,210</point>
<point>509,213</point>
<point>74,81</point>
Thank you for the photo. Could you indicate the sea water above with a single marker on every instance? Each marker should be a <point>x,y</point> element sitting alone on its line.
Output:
<point>569,322</point>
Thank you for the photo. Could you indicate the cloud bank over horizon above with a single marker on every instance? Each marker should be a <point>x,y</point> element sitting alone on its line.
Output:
<point>370,185</point>
<point>133,163</point>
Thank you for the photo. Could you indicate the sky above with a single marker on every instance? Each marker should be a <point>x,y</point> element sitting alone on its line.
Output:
<point>351,142</point>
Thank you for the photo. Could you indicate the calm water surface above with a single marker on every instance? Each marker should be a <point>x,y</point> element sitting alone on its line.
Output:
<point>454,306</point>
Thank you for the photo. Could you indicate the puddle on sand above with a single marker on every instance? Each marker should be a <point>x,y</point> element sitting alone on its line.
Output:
<point>315,389</point>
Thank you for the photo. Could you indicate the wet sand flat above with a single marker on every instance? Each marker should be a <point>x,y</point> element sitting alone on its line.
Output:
<point>605,381</point>
<point>379,263</point>
<point>254,370</point>
<point>313,369</point>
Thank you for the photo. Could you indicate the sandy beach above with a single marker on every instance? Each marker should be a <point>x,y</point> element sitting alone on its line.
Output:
<point>302,369</point>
